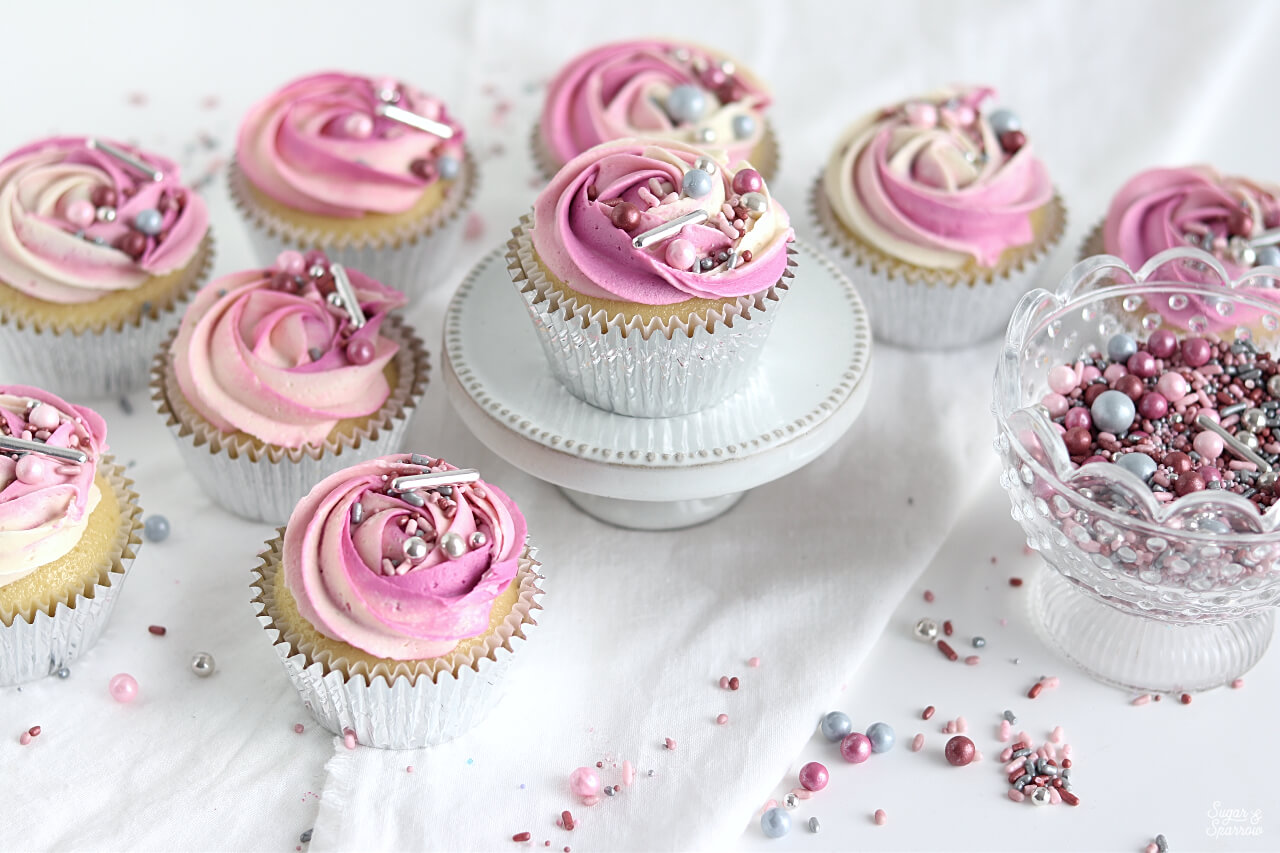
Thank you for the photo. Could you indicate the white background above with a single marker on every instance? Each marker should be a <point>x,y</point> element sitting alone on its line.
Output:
<point>806,573</point>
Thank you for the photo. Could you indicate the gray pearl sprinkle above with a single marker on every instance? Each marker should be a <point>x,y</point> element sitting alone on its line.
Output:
<point>836,725</point>
<point>1008,715</point>
<point>1162,844</point>
<point>1267,256</point>
<point>743,126</point>
<point>149,221</point>
<point>1113,412</point>
<point>305,837</point>
<point>979,642</point>
<point>1121,346</point>
<point>63,672</point>
<point>1003,121</point>
<point>156,528</point>
<point>202,664</point>
<point>814,826</point>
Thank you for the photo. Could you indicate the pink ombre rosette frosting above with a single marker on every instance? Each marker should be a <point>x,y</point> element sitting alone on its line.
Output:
<point>271,353</point>
<point>320,146</point>
<point>1197,206</point>
<point>77,223</point>
<point>625,90</point>
<point>932,182</point>
<point>370,567</point>
<point>45,503</point>
<point>585,222</point>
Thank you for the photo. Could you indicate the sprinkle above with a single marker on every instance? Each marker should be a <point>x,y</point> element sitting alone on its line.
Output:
<point>1056,737</point>
<point>928,596</point>
<point>1016,795</point>
<point>669,744</point>
<point>628,773</point>
<point>158,630</point>
<point>972,660</point>
<point>979,642</point>
<point>724,682</point>
<point>1008,715</point>
<point>962,725</point>
<point>409,769</point>
<point>24,738</point>
<point>1162,844</point>
<point>1185,698</point>
<point>881,818</point>
<point>734,684</point>
<point>1006,731</point>
<point>1068,797</point>
<point>305,837</point>
<point>927,712</point>
<point>1141,699</point>
<point>753,662</point>
<point>522,836</point>
<point>299,728</point>
<point>1035,690</point>
<point>34,731</point>
<point>1015,581</point>
<point>917,743</point>
<point>1051,681</point>
<point>1237,684</point>
<point>947,650</point>
<point>566,820</point>
<point>814,826</point>
<point>349,739</point>
<point>947,629</point>
<point>721,719</point>
<point>648,197</point>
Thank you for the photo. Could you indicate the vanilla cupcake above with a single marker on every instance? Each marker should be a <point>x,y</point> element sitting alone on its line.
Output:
<point>939,211</point>
<point>396,598</point>
<point>278,377</point>
<point>653,271</point>
<point>100,244</point>
<point>655,88</point>
<point>371,171</point>
<point>69,524</point>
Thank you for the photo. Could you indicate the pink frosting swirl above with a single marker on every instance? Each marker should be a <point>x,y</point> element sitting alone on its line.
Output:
<point>575,235</point>
<point>1194,205</point>
<point>930,182</point>
<point>348,570</point>
<point>266,353</point>
<point>621,90</point>
<point>319,146</point>
<point>69,220</point>
<point>44,502</point>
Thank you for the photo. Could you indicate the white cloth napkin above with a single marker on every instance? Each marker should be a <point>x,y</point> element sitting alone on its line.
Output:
<point>638,627</point>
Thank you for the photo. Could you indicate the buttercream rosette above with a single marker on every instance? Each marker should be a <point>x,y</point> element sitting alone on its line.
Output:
<point>1235,219</point>
<point>272,382</point>
<point>333,161</point>
<point>655,88</point>
<point>68,529</point>
<point>396,608</point>
<point>653,271</point>
<point>940,211</point>
<point>99,245</point>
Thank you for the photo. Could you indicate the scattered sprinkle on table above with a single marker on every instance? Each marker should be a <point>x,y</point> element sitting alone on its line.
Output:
<point>753,662</point>
<point>522,836</point>
<point>928,595</point>
<point>1015,581</point>
<point>721,719</point>
<point>881,818</point>
<point>299,728</point>
<point>158,630</point>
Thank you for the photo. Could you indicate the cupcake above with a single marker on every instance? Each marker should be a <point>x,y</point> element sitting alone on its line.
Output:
<point>69,524</point>
<point>653,271</point>
<point>100,244</point>
<point>655,88</point>
<point>941,214</point>
<point>371,171</point>
<point>396,597</point>
<point>1234,219</point>
<point>276,378</point>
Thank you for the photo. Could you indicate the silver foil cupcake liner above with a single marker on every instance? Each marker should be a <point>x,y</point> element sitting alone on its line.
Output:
<point>95,363</point>
<point>397,711</point>
<point>652,370</point>
<point>413,263</point>
<point>37,648</point>
<point>267,485</point>
<point>932,312</point>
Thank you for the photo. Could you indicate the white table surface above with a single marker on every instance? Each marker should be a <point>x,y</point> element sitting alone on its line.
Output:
<point>1109,88</point>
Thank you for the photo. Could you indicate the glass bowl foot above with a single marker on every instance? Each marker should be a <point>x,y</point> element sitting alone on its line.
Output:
<point>1145,653</point>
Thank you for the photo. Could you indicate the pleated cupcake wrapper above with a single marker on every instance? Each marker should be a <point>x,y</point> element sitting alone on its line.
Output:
<point>63,629</point>
<point>412,259</point>
<point>933,309</point>
<point>413,703</point>
<point>1092,243</point>
<point>101,360</point>
<point>657,369</point>
<point>264,482</point>
<point>766,159</point>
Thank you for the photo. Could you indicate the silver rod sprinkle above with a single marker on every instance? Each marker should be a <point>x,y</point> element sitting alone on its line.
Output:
<point>435,479</point>
<point>348,294</point>
<point>1233,444</point>
<point>416,121</point>
<point>127,159</point>
<point>1266,238</point>
<point>22,445</point>
<point>671,226</point>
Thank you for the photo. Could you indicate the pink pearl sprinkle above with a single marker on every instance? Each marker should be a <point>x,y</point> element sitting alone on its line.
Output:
<point>681,254</point>
<point>814,776</point>
<point>358,126</point>
<point>917,743</point>
<point>299,728</point>
<point>349,739</point>
<point>721,719</point>
<point>409,769</point>
<point>80,213</point>
<point>753,662</point>
<point>1237,683</point>
<point>584,782</point>
<point>1062,379</point>
<point>881,817</point>
<point>669,743</point>
<point>724,682</point>
<point>24,738</point>
<point>291,262</point>
<point>123,687</point>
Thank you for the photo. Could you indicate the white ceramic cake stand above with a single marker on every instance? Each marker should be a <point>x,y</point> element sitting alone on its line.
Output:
<point>660,473</point>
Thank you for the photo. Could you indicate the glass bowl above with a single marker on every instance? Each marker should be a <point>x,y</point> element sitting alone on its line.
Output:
<point>1160,597</point>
